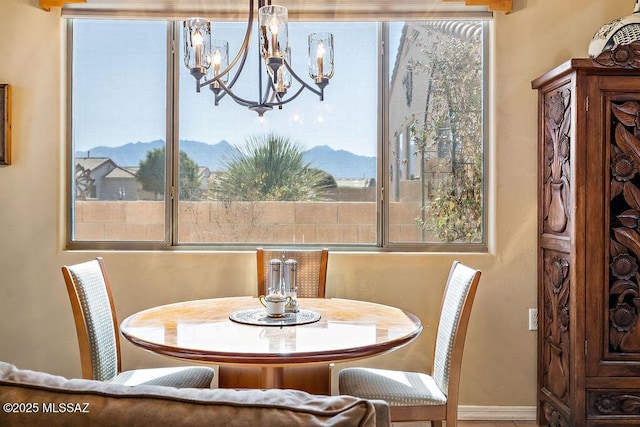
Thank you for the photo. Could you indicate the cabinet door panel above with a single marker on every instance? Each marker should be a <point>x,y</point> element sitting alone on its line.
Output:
<point>613,220</point>
<point>556,222</point>
<point>555,165</point>
<point>556,341</point>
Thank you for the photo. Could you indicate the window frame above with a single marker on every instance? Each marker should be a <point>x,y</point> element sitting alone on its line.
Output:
<point>171,201</point>
<point>438,247</point>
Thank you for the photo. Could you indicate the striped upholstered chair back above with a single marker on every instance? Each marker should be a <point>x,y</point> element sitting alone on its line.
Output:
<point>452,326</point>
<point>94,315</point>
<point>312,269</point>
<point>98,336</point>
<point>418,396</point>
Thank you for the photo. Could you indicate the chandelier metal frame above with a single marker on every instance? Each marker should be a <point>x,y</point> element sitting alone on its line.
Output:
<point>271,91</point>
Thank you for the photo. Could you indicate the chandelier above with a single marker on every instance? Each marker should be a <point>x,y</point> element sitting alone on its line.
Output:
<point>208,60</point>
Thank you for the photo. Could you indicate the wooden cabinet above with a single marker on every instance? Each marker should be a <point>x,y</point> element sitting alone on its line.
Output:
<point>589,241</point>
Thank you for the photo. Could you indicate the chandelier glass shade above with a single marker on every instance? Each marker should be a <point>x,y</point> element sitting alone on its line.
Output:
<point>208,60</point>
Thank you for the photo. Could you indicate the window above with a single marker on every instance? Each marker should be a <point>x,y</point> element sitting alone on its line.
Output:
<point>436,132</point>
<point>119,117</point>
<point>397,165</point>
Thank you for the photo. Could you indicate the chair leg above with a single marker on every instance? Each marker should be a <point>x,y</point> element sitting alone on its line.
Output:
<point>437,424</point>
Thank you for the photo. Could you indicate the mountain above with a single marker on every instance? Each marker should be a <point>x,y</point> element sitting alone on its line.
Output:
<point>339,163</point>
<point>131,154</point>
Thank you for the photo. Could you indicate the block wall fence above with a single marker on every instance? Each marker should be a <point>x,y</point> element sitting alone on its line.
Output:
<point>245,222</point>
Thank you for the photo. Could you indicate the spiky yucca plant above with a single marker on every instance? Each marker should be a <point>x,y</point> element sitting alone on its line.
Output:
<point>269,167</point>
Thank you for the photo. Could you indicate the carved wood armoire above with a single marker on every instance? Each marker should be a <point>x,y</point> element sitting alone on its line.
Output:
<point>589,241</point>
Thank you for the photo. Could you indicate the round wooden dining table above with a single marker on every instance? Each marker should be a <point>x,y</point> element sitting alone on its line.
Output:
<point>216,331</point>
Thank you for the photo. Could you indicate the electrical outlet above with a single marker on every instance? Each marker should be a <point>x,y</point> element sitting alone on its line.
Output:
<point>533,319</point>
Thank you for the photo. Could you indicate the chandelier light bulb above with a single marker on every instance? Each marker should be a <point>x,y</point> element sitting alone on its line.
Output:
<point>197,44</point>
<point>274,36</point>
<point>320,59</point>
<point>197,38</point>
<point>274,25</point>
<point>217,59</point>
<point>220,61</point>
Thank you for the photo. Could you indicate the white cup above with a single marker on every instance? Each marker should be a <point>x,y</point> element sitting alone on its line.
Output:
<point>275,304</point>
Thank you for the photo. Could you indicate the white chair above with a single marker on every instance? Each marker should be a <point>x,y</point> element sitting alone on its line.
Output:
<point>415,396</point>
<point>98,338</point>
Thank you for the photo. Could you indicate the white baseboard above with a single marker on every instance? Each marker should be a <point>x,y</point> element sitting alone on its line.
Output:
<point>496,413</point>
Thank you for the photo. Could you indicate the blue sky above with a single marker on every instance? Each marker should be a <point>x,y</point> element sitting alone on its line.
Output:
<point>119,81</point>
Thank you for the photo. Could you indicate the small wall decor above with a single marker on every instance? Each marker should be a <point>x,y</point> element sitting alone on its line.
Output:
<point>5,124</point>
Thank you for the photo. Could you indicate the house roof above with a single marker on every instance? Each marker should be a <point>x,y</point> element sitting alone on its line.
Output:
<point>92,162</point>
<point>463,29</point>
<point>119,172</point>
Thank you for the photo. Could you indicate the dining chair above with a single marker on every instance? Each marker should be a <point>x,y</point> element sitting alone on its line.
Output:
<point>311,283</point>
<point>98,338</point>
<point>312,269</point>
<point>415,396</point>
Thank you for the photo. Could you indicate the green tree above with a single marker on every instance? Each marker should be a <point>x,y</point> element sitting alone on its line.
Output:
<point>457,207</point>
<point>269,167</point>
<point>151,174</point>
<point>454,119</point>
<point>188,182</point>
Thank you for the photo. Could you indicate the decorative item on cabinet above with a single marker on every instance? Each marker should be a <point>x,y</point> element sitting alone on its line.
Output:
<point>620,31</point>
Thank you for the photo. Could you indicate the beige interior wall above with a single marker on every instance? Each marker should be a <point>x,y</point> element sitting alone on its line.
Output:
<point>36,326</point>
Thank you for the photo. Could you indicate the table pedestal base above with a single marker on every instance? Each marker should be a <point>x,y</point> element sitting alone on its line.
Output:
<point>272,377</point>
<point>315,379</point>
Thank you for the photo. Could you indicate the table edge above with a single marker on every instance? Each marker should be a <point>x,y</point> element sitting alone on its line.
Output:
<point>306,358</point>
